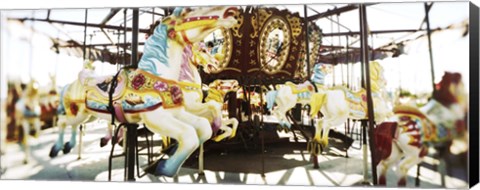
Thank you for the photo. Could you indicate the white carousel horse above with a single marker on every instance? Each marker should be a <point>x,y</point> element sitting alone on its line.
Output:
<point>338,103</point>
<point>216,94</point>
<point>211,109</point>
<point>405,140</point>
<point>151,94</point>
<point>27,114</point>
<point>88,69</point>
<point>191,86</point>
<point>280,101</point>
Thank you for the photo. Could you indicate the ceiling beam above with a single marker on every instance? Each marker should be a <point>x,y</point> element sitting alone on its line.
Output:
<point>335,11</point>
<point>332,12</point>
<point>79,24</point>
<point>372,32</point>
<point>110,15</point>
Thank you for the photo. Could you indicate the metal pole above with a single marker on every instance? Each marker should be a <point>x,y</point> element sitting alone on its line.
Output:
<point>85,35</point>
<point>132,128</point>
<point>130,156</point>
<point>365,61</point>
<point>429,33</point>
<point>125,37</point>
<point>307,49</point>
<point>135,20</point>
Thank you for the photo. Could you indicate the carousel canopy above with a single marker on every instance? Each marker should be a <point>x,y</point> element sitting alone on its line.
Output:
<point>395,29</point>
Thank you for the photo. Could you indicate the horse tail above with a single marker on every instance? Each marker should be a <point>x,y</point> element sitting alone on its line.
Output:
<point>61,106</point>
<point>316,102</point>
<point>271,96</point>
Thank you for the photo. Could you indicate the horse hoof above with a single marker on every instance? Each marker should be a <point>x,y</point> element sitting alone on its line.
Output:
<point>103,142</point>
<point>54,152</point>
<point>158,169</point>
<point>67,148</point>
<point>170,150</point>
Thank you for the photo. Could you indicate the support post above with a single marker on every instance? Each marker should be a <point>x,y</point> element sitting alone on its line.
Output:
<point>365,62</point>
<point>80,142</point>
<point>429,34</point>
<point>131,150</point>
<point>132,128</point>
<point>307,49</point>
<point>135,20</point>
<point>85,35</point>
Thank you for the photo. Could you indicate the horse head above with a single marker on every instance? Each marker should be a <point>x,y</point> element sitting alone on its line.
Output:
<point>377,78</point>
<point>320,70</point>
<point>32,89</point>
<point>204,59</point>
<point>451,93</point>
<point>188,25</point>
<point>178,33</point>
<point>450,90</point>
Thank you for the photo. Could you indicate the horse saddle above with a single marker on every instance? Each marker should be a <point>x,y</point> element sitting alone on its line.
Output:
<point>100,87</point>
<point>357,101</point>
<point>137,91</point>
<point>300,88</point>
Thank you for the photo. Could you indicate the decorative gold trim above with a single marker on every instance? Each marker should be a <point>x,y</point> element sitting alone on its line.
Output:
<point>263,15</point>
<point>236,27</point>
<point>274,22</point>
<point>227,51</point>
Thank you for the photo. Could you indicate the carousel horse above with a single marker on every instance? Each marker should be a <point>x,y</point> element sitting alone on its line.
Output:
<point>405,139</point>
<point>290,94</point>
<point>88,69</point>
<point>151,94</point>
<point>338,103</point>
<point>216,94</point>
<point>27,114</point>
<point>211,109</point>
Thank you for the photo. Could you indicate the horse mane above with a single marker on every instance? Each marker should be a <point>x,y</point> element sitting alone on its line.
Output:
<point>155,50</point>
<point>318,76</point>
<point>442,92</point>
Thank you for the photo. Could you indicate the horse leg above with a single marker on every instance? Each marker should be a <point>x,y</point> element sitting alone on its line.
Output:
<point>234,123</point>
<point>385,164</point>
<point>37,124</point>
<point>73,140</point>
<point>177,129</point>
<point>61,133</point>
<point>227,131</point>
<point>202,128</point>
<point>104,140</point>
<point>402,169</point>
<point>25,140</point>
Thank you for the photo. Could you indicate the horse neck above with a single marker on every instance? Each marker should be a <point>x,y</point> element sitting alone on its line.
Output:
<point>216,95</point>
<point>444,97</point>
<point>175,56</point>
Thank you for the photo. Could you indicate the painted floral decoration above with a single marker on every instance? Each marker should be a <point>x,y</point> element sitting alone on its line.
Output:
<point>176,94</point>
<point>74,108</point>
<point>160,86</point>
<point>138,81</point>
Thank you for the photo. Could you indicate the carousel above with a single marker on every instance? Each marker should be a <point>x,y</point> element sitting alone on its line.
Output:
<point>265,95</point>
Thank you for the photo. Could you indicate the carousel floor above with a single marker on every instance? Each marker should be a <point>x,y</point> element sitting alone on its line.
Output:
<point>284,163</point>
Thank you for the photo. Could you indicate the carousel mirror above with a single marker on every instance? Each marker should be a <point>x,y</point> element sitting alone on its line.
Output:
<point>274,44</point>
<point>219,45</point>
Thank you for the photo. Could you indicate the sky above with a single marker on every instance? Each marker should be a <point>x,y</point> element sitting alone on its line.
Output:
<point>22,57</point>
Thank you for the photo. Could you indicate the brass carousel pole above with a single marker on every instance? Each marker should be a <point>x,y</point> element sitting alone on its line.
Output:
<point>132,127</point>
<point>80,144</point>
<point>371,118</point>
<point>307,51</point>
<point>429,34</point>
